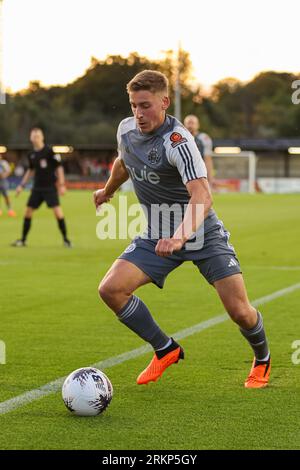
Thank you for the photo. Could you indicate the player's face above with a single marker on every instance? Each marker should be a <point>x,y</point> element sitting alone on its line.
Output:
<point>192,124</point>
<point>149,109</point>
<point>37,138</point>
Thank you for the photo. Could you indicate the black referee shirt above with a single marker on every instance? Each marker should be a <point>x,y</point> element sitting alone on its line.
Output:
<point>44,163</point>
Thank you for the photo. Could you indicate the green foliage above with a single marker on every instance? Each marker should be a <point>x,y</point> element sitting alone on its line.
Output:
<point>89,109</point>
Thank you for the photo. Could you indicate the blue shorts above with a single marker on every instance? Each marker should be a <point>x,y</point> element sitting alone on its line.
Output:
<point>216,260</point>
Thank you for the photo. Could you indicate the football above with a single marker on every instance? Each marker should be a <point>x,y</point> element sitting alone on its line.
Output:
<point>87,392</point>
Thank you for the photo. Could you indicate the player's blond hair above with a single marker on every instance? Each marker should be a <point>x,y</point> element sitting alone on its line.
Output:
<point>150,80</point>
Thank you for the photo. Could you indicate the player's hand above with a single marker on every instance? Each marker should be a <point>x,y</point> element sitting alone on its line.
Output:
<point>166,246</point>
<point>100,197</point>
<point>19,189</point>
<point>62,189</point>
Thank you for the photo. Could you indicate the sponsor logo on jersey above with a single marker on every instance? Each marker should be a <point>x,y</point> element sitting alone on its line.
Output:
<point>143,175</point>
<point>153,157</point>
<point>43,163</point>
<point>176,138</point>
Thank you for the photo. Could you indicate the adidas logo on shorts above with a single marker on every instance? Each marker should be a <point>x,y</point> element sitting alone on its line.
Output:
<point>232,263</point>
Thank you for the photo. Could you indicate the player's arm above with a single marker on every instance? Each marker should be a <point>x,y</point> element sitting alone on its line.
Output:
<point>208,150</point>
<point>61,180</point>
<point>28,175</point>
<point>60,173</point>
<point>197,210</point>
<point>183,153</point>
<point>210,169</point>
<point>5,174</point>
<point>118,176</point>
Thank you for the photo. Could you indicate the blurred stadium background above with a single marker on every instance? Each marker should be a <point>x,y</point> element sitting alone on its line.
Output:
<point>81,113</point>
<point>80,120</point>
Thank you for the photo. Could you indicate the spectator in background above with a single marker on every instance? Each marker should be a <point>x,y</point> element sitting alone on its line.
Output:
<point>5,171</point>
<point>204,144</point>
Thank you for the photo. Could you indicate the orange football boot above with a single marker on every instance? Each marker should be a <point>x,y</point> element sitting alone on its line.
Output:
<point>259,374</point>
<point>157,366</point>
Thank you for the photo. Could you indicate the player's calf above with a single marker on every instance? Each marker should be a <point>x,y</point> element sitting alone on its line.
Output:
<point>233,294</point>
<point>116,291</point>
<point>244,315</point>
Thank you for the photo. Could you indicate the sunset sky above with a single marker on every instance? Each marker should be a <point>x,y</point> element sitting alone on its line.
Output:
<point>53,40</point>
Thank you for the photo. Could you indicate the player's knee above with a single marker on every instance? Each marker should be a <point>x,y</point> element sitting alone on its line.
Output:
<point>108,291</point>
<point>103,290</point>
<point>240,313</point>
<point>28,213</point>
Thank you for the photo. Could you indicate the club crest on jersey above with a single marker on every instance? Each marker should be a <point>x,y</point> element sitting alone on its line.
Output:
<point>176,138</point>
<point>153,157</point>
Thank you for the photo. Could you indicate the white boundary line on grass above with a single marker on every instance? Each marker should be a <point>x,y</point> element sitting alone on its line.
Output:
<point>53,387</point>
<point>273,268</point>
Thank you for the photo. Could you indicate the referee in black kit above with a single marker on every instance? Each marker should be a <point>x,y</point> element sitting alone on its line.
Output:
<point>49,182</point>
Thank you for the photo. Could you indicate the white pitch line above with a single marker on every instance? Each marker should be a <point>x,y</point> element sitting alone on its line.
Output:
<point>274,268</point>
<point>53,387</point>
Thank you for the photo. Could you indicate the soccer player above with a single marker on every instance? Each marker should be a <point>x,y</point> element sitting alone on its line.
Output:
<point>47,171</point>
<point>4,174</point>
<point>164,163</point>
<point>204,144</point>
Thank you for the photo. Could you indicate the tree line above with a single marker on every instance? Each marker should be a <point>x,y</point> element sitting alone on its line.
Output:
<point>88,110</point>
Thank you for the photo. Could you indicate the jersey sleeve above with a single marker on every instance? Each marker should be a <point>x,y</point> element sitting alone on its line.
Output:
<point>207,144</point>
<point>183,153</point>
<point>56,159</point>
<point>5,166</point>
<point>119,143</point>
<point>30,159</point>
<point>125,126</point>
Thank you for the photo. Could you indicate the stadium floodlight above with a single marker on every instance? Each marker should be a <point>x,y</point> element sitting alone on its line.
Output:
<point>3,149</point>
<point>227,150</point>
<point>294,150</point>
<point>2,94</point>
<point>62,149</point>
<point>236,166</point>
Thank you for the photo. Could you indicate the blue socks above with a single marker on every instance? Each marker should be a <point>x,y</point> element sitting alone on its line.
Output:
<point>136,316</point>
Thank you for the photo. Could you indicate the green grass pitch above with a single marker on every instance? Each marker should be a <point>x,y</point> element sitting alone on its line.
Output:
<point>53,322</point>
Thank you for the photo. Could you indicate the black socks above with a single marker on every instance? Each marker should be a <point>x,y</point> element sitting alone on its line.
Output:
<point>26,228</point>
<point>63,229</point>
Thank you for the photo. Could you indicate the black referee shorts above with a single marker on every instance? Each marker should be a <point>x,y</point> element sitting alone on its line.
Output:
<point>38,196</point>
